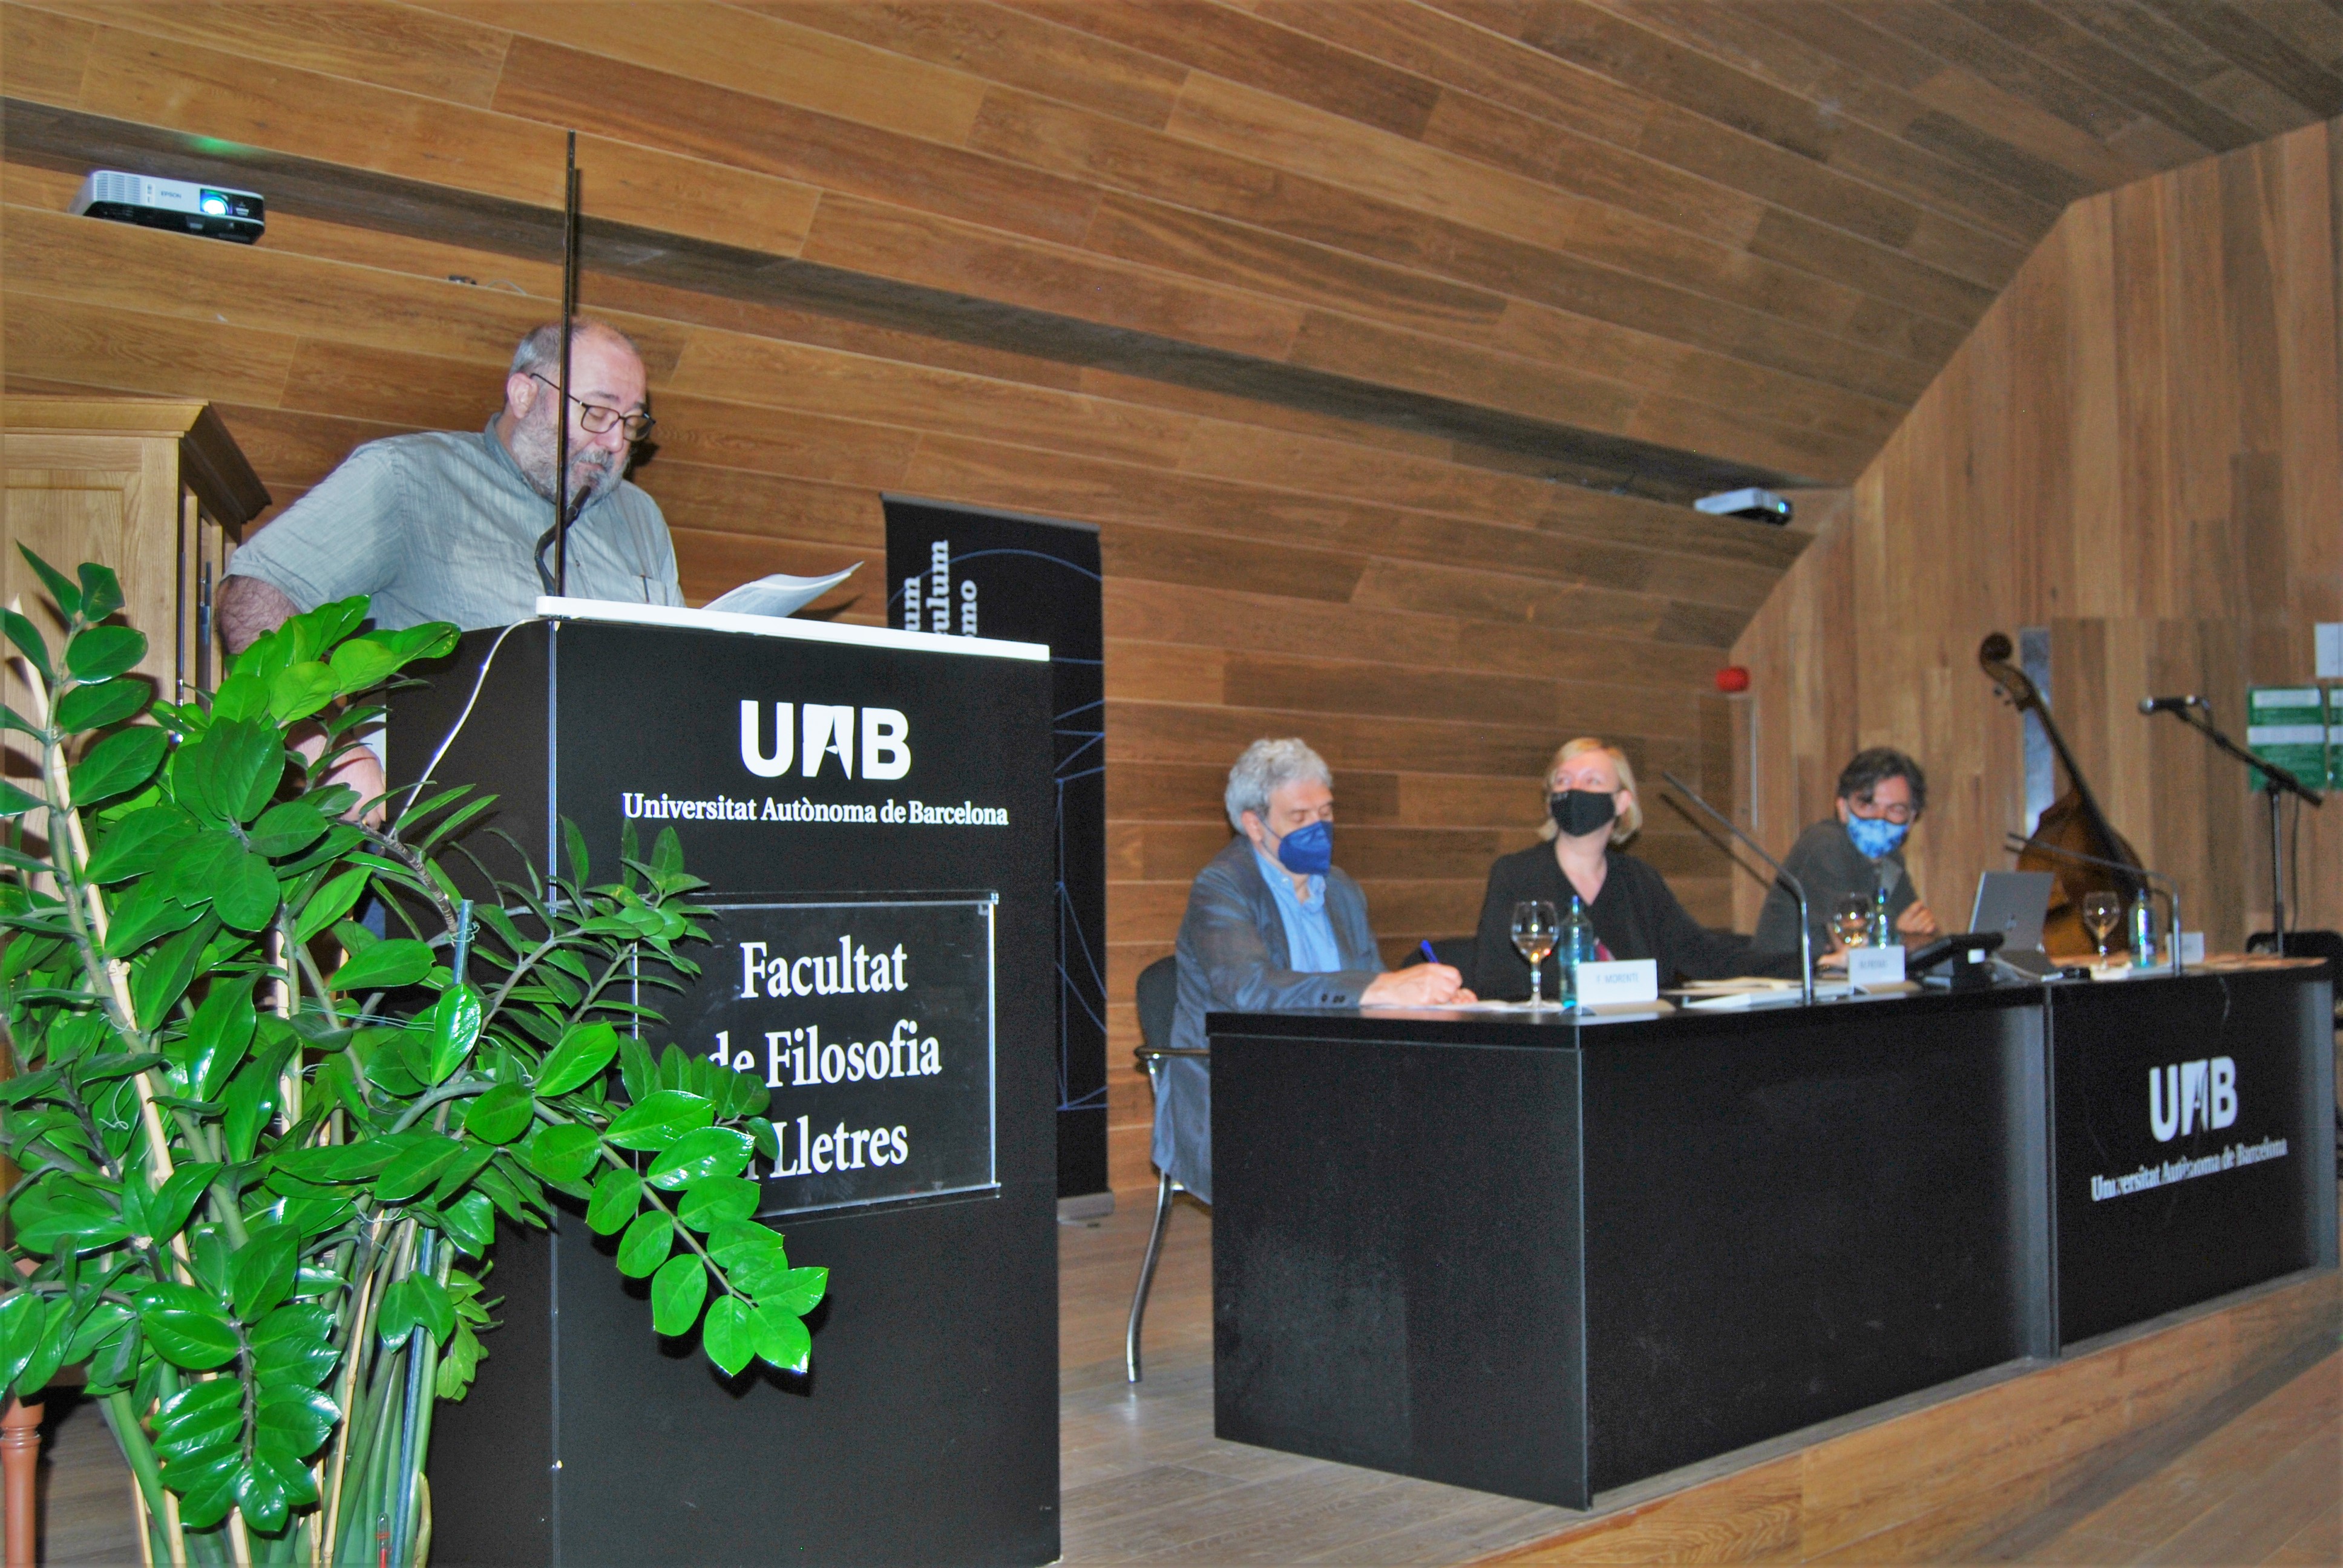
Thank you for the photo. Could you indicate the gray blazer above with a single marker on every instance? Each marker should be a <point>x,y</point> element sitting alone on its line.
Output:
<point>1233,959</point>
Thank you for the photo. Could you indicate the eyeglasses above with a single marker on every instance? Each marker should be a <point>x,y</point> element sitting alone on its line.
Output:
<point>1901,815</point>
<point>596,419</point>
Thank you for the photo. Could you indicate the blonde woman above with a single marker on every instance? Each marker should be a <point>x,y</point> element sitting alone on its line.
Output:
<point>1591,811</point>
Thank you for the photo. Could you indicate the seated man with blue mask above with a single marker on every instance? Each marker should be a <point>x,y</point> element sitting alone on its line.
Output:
<point>1881,794</point>
<point>1271,925</point>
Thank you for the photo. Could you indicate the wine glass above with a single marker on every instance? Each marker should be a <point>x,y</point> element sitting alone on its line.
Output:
<point>2102,912</point>
<point>1536,928</point>
<point>1851,920</point>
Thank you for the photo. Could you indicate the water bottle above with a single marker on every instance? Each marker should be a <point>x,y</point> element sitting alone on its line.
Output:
<point>2143,932</point>
<point>1575,945</point>
<point>1883,928</point>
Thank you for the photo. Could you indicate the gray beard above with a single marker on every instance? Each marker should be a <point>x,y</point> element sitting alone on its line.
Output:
<point>593,473</point>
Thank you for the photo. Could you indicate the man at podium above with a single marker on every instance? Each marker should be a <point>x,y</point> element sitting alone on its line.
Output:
<point>457,527</point>
<point>448,526</point>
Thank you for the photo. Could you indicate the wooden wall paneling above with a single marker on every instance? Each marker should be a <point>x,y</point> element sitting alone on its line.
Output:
<point>2120,453</point>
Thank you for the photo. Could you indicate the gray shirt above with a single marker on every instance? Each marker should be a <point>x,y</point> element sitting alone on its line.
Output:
<point>1827,862</point>
<point>444,527</point>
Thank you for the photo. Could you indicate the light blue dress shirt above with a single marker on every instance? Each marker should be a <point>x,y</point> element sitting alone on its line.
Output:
<point>1309,934</point>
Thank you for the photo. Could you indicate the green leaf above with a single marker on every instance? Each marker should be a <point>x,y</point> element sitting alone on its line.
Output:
<point>196,1341</point>
<point>471,1219</point>
<point>102,652</point>
<point>659,1119</point>
<point>166,1209</point>
<point>289,1346</point>
<point>712,1201</point>
<point>798,1290</point>
<point>14,802</point>
<point>617,1193</point>
<point>781,1339</point>
<point>449,1027</point>
<point>459,1362</point>
<point>339,1161</point>
<point>287,828</point>
<point>363,662</point>
<point>737,1244</point>
<point>207,1488</point>
<point>272,1485</point>
<point>401,961</point>
<point>229,775</point>
<point>246,895</point>
<point>301,689</point>
<point>260,1275</point>
<point>395,1319</point>
<point>101,592</point>
<point>241,697</point>
<point>645,1244</point>
<point>415,1168</point>
<point>677,1291</point>
<point>574,842</point>
<point>435,1312</point>
<point>148,911</point>
<point>118,764</point>
<point>49,1352</point>
<point>218,1035</point>
<point>297,1420</point>
<point>96,707</point>
<point>501,1115</point>
<point>200,1417</point>
<point>138,843</point>
<point>584,1052</point>
<point>253,1091</point>
<point>562,1153</point>
<point>61,586</point>
<point>160,975</point>
<point>696,1156</point>
<point>727,1336</point>
<point>330,903</point>
<point>28,638</point>
<point>20,1333</point>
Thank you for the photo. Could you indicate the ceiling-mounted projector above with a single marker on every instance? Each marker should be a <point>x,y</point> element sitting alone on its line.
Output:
<point>216,211</point>
<point>1758,505</point>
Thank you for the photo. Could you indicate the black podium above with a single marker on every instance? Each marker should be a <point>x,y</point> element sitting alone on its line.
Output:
<point>873,810</point>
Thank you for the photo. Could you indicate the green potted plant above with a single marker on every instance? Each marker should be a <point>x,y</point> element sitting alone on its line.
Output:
<point>258,1190</point>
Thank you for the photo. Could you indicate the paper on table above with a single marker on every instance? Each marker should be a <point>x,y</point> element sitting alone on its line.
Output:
<point>778,595</point>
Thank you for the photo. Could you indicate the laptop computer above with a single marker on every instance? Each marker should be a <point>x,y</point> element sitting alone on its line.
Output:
<point>2012,903</point>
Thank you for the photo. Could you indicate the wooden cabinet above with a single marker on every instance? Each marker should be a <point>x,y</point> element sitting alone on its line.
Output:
<point>153,487</point>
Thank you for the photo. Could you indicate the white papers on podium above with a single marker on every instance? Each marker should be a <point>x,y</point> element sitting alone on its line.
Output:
<point>778,595</point>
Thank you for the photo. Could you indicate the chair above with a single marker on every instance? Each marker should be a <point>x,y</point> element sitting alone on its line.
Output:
<point>1159,994</point>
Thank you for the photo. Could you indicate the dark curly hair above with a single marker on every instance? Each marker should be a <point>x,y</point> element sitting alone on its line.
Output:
<point>1876,763</point>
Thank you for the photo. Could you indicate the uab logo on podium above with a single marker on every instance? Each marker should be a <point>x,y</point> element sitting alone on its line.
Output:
<point>813,733</point>
<point>2187,1095</point>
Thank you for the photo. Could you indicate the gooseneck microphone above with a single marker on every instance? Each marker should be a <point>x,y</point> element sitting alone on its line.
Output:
<point>2170,704</point>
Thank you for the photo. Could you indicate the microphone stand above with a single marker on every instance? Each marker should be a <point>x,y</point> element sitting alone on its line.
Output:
<point>2015,844</point>
<point>556,581</point>
<point>2276,780</point>
<point>1805,926</point>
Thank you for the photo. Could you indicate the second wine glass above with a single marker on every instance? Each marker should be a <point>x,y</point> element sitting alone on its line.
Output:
<point>2102,912</point>
<point>1535,930</point>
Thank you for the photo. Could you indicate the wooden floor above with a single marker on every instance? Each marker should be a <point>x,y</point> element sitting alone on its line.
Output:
<point>2254,1478</point>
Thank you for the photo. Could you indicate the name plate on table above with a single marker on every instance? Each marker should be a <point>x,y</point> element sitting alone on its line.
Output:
<point>1613,984</point>
<point>871,1018</point>
<point>1876,966</point>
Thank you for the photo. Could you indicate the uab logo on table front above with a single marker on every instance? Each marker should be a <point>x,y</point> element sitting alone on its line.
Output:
<point>811,734</point>
<point>2187,1095</point>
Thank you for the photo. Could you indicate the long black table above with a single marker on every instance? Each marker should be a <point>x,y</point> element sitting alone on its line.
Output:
<point>1545,1255</point>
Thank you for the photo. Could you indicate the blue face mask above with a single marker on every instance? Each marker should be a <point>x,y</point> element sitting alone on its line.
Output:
<point>1307,851</point>
<point>1876,836</point>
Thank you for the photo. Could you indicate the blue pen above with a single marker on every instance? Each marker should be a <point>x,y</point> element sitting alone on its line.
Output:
<point>1429,956</point>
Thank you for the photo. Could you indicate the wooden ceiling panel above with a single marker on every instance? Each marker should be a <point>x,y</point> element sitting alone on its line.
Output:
<point>1677,240</point>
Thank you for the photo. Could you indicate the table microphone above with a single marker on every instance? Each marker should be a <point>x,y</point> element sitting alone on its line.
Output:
<point>2170,704</point>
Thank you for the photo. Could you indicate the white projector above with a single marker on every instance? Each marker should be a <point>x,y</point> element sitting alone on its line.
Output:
<point>214,211</point>
<point>1758,506</point>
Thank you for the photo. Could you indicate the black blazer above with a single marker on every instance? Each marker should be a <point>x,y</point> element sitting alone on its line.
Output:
<point>1636,917</point>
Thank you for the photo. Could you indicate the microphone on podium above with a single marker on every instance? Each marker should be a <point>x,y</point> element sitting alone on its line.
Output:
<point>1798,889</point>
<point>2170,704</point>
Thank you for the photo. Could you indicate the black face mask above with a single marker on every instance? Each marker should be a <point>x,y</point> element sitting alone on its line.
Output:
<point>1578,812</point>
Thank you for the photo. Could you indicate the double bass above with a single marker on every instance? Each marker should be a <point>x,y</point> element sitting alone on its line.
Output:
<point>2073,823</point>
